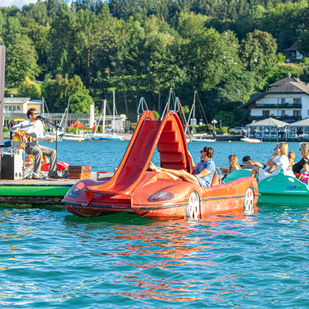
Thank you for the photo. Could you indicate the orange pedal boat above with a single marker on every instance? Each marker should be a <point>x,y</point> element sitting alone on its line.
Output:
<point>133,189</point>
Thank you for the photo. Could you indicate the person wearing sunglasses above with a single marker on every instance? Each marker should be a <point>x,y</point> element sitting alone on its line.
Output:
<point>203,172</point>
<point>303,164</point>
<point>34,125</point>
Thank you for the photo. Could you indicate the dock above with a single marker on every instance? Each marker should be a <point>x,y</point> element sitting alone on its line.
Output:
<point>29,192</point>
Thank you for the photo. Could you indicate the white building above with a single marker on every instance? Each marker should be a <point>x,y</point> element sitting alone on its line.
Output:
<point>288,98</point>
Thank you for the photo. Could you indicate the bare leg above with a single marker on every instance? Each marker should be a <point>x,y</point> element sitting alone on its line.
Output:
<point>179,173</point>
<point>254,171</point>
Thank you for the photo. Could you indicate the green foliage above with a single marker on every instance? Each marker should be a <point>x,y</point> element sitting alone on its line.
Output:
<point>225,50</point>
<point>28,88</point>
<point>99,129</point>
<point>133,126</point>
<point>21,58</point>
<point>281,58</point>
<point>58,91</point>
<point>224,130</point>
<point>305,60</point>
<point>258,51</point>
<point>80,103</point>
<point>303,42</point>
<point>5,129</point>
<point>200,129</point>
<point>156,114</point>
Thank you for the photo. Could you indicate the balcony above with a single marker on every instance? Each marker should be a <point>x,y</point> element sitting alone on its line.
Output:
<point>286,105</point>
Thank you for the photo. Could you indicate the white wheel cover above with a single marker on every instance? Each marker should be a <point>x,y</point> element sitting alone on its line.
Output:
<point>194,206</point>
<point>249,202</point>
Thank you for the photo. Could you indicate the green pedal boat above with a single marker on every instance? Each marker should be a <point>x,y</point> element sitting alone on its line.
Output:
<point>277,190</point>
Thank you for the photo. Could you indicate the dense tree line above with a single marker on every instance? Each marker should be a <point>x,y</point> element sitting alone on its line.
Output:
<point>226,50</point>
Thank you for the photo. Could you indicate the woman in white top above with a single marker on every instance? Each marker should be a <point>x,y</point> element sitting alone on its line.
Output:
<point>278,160</point>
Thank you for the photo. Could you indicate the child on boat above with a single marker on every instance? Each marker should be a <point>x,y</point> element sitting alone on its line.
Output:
<point>291,157</point>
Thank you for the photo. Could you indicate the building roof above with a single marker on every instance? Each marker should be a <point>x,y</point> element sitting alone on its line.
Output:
<point>13,100</point>
<point>292,48</point>
<point>291,87</point>
<point>288,79</point>
<point>270,122</point>
<point>301,123</point>
<point>36,101</point>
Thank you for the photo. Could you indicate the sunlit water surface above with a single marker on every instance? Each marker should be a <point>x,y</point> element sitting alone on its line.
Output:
<point>52,259</point>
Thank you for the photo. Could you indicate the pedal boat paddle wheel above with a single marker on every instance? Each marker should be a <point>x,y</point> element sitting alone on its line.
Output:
<point>133,189</point>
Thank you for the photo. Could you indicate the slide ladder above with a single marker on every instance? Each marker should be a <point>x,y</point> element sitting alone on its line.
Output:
<point>169,138</point>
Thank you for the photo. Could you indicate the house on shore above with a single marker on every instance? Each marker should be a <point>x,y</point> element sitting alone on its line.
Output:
<point>292,53</point>
<point>287,98</point>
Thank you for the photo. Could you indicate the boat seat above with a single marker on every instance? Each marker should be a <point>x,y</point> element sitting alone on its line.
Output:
<point>215,180</point>
<point>173,166</point>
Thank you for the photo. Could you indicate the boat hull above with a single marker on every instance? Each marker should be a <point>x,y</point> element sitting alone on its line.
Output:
<point>251,140</point>
<point>278,190</point>
<point>107,139</point>
<point>217,199</point>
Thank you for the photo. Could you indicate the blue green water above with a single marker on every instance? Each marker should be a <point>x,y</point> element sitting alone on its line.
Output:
<point>52,259</point>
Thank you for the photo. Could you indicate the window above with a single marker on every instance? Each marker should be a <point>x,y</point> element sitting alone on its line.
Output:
<point>298,113</point>
<point>6,109</point>
<point>281,101</point>
<point>265,113</point>
<point>296,101</point>
<point>281,113</point>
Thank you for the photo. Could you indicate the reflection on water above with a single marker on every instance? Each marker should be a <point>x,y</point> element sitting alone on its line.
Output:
<point>51,258</point>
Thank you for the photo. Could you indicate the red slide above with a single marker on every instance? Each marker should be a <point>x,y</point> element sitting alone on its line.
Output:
<point>167,135</point>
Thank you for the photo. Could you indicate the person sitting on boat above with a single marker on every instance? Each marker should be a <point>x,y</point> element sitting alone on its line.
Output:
<point>278,160</point>
<point>291,157</point>
<point>37,151</point>
<point>233,165</point>
<point>303,164</point>
<point>249,164</point>
<point>203,172</point>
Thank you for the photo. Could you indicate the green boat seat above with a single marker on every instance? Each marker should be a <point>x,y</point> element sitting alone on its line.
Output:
<point>237,174</point>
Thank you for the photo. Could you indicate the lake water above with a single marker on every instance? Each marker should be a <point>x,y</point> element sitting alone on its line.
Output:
<point>52,259</point>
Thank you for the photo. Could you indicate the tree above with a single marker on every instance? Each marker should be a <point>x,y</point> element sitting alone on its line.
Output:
<point>230,94</point>
<point>258,51</point>
<point>209,57</point>
<point>80,103</point>
<point>21,58</point>
<point>57,92</point>
<point>303,43</point>
<point>62,54</point>
<point>28,88</point>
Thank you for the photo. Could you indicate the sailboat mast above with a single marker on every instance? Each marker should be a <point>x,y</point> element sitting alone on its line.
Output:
<point>66,119</point>
<point>113,123</point>
<point>193,119</point>
<point>104,113</point>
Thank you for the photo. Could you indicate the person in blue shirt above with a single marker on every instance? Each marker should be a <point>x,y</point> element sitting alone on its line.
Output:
<point>203,172</point>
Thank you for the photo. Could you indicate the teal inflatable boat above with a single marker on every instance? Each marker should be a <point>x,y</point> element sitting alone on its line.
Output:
<point>277,190</point>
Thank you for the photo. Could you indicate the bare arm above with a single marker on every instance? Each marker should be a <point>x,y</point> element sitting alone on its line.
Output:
<point>270,161</point>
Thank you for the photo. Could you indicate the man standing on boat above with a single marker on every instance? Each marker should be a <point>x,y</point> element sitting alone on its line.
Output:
<point>34,125</point>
